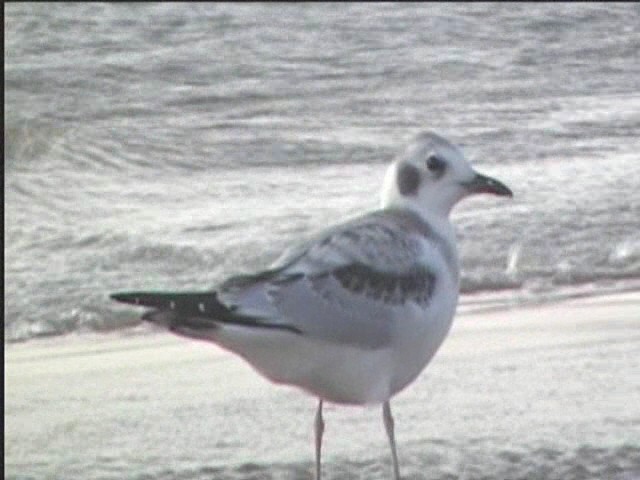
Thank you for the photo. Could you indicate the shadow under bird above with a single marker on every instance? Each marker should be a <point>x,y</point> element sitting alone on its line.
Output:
<point>354,314</point>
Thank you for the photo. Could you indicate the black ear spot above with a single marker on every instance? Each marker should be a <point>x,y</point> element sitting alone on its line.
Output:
<point>408,179</point>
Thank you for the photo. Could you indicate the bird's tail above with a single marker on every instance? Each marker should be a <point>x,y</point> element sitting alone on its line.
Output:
<point>202,304</point>
<point>194,314</point>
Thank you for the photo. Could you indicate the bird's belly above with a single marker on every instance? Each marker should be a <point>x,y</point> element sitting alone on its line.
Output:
<point>350,375</point>
<point>345,373</point>
<point>335,372</point>
<point>418,341</point>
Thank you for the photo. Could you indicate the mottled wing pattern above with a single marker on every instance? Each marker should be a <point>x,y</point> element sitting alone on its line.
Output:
<point>347,285</point>
<point>415,284</point>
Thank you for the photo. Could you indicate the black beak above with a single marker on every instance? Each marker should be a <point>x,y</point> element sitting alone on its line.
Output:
<point>483,184</point>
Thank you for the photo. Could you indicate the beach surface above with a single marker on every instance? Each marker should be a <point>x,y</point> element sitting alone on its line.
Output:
<point>540,392</point>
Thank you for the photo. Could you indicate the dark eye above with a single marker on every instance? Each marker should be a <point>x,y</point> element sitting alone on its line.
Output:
<point>435,164</point>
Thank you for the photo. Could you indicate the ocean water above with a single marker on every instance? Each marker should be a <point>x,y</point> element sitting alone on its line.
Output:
<point>166,146</point>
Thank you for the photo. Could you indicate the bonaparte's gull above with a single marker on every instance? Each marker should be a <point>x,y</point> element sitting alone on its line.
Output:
<point>354,314</point>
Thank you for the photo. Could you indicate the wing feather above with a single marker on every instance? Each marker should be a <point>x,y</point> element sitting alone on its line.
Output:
<point>346,285</point>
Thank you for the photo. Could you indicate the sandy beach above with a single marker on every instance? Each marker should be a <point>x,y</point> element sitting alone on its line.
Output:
<point>536,392</point>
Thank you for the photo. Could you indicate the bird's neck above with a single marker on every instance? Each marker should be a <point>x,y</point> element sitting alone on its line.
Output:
<point>438,219</point>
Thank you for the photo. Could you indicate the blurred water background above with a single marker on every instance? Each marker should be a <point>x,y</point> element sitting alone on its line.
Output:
<point>167,146</point>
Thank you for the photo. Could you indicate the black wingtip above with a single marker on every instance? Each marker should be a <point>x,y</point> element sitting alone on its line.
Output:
<point>118,297</point>
<point>126,297</point>
<point>190,308</point>
<point>196,303</point>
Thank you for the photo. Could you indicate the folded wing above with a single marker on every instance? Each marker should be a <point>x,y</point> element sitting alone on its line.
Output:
<point>347,285</point>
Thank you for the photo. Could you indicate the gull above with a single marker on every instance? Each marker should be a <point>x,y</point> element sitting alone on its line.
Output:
<point>355,313</point>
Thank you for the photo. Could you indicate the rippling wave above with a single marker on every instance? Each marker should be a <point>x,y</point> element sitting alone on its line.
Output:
<point>169,147</point>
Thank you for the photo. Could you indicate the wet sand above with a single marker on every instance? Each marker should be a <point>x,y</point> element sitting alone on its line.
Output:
<point>550,391</point>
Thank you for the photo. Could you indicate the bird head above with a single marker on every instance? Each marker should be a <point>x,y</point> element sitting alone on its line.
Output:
<point>432,175</point>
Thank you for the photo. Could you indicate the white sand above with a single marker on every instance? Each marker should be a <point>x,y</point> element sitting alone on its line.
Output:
<point>540,392</point>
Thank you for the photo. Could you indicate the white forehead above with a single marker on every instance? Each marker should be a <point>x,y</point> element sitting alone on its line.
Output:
<point>426,143</point>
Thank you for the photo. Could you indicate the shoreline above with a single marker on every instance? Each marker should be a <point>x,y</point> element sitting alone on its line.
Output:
<point>470,304</point>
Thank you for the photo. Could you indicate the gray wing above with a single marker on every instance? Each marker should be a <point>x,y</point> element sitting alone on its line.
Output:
<point>346,285</point>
